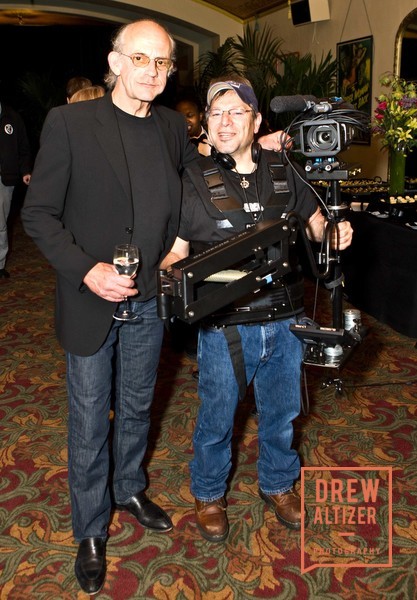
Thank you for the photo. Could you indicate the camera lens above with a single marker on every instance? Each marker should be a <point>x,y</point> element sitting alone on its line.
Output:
<point>322,138</point>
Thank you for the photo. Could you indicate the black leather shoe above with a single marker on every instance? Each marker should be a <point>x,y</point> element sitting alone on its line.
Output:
<point>90,565</point>
<point>149,514</point>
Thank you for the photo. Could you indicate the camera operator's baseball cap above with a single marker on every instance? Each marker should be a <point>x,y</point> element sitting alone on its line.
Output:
<point>243,90</point>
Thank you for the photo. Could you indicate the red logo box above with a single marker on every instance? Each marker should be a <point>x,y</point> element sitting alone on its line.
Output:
<point>348,517</point>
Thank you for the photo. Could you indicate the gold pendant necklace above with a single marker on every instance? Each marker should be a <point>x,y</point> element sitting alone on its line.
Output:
<point>243,182</point>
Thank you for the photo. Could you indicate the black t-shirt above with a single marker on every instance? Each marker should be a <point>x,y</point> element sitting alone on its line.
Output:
<point>150,215</point>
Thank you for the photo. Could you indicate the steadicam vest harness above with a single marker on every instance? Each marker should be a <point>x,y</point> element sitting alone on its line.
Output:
<point>232,209</point>
<point>277,304</point>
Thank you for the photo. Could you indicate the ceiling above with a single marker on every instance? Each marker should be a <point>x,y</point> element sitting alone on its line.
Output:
<point>242,9</point>
<point>37,17</point>
<point>246,9</point>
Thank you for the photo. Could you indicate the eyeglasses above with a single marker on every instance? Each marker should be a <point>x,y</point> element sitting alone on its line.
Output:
<point>142,60</point>
<point>234,113</point>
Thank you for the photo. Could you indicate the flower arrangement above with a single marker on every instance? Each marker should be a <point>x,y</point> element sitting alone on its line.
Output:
<point>395,118</point>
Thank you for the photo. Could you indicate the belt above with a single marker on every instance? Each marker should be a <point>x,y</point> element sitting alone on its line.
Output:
<point>251,316</point>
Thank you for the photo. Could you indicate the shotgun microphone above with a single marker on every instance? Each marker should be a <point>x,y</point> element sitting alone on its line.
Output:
<point>297,103</point>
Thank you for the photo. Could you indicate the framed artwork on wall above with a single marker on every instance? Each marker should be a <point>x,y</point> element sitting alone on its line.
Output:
<point>354,76</point>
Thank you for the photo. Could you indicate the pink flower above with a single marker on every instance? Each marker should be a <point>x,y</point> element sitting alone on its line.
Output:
<point>408,103</point>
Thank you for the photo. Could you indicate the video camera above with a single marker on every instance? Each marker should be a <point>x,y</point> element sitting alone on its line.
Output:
<point>321,130</point>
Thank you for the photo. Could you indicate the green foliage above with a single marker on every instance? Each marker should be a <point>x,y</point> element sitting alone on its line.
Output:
<point>302,75</point>
<point>257,56</point>
<point>214,64</point>
<point>39,94</point>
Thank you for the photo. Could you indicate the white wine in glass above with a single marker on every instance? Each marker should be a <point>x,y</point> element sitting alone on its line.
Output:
<point>126,261</point>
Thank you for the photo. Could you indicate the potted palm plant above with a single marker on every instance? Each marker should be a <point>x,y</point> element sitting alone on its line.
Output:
<point>257,55</point>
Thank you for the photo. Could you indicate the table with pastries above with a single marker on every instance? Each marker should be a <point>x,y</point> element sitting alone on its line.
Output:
<point>380,267</point>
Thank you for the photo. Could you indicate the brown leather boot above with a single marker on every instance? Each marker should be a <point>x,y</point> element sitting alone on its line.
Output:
<point>287,507</point>
<point>211,519</point>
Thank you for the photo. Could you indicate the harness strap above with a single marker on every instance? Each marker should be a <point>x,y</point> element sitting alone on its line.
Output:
<point>214,181</point>
<point>278,177</point>
<point>234,342</point>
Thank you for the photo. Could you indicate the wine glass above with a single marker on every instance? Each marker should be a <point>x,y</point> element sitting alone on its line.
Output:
<point>126,261</point>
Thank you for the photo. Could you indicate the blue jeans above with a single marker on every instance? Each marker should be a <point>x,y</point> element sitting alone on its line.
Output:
<point>124,367</point>
<point>6,194</point>
<point>272,356</point>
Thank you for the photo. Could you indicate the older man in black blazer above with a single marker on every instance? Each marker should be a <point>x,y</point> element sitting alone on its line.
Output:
<point>108,172</point>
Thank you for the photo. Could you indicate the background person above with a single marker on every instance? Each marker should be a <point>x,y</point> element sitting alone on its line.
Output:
<point>238,346</point>
<point>15,167</point>
<point>88,93</point>
<point>75,84</point>
<point>194,118</point>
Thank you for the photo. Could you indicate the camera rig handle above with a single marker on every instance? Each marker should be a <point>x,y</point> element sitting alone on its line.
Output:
<point>251,259</point>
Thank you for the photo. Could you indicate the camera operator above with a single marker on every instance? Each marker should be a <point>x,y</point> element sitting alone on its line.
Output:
<point>250,341</point>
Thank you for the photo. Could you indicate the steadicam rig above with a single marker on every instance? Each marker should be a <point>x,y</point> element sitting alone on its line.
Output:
<point>322,129</point>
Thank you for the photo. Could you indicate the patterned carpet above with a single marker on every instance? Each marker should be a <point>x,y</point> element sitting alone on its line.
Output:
<point>372,422</point>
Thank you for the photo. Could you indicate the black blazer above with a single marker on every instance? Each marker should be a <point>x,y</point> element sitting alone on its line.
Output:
<point>78,206</point>
<point>15,153</point>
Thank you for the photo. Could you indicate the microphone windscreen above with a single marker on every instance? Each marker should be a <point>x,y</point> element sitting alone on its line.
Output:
<point>297,103</point>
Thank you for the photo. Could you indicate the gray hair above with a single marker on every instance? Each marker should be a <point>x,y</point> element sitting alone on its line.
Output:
<point>117,46</point>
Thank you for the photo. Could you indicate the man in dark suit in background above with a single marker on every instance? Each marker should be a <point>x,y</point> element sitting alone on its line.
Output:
<point>108,172</point>
<point>15,168</point>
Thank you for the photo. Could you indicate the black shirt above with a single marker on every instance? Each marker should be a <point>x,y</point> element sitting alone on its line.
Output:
<point>147,180</point>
